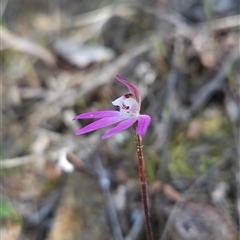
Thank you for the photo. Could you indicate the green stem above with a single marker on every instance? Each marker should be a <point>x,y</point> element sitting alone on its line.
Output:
<point>143,182</point>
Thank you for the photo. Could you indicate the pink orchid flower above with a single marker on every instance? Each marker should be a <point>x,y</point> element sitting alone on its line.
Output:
<point>129,106</point>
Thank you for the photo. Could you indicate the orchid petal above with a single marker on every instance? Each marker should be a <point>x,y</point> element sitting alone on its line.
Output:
<point>118,102</point>
<point>104,122</point>
<point>120,127</point>
<point>132,104</point>
<point>131,87</point>
<point>127,106</point>
<point>99,114</point>
<point>143,123</point>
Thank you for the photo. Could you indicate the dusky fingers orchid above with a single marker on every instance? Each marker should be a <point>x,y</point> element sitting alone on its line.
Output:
<point>128,114</point>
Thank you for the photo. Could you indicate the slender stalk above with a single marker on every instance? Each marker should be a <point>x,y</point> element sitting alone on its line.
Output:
<point>143,181</point>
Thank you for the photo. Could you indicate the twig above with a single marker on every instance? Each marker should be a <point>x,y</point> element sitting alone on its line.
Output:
<point>176,20</point>
<point>171,192</point>
<point>15,162</point>
<point>79,165</point>
<point>3,6</point>
<point>104,184</point>
<point>223,23</point>
<point>49,206</point>
<point>184,29</point>
<point>136,228</point>
<point>176,109</point>
<point>203,94</point>
<point>100,15</point>
<point>236,134</point>
<point>27,46</point>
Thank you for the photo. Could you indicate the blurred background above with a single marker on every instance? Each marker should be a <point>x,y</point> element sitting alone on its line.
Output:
<point>59,58</point>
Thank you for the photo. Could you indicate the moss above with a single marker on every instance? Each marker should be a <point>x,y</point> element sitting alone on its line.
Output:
<point>214,125</point>
<point>178,154</point>
<point>216,131</point>
<point>152,163</point>
<point>178,164</point>
<point>214,134</point>
<point>160,47</point>
<point>81,102</point>
<point>206,161</point>
<point>48,186</point>
<point>7,212</point>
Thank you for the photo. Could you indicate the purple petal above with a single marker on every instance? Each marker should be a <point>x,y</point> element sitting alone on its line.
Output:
<point>104,122</point>
<point>131,87</point>
<point>100,114</point>
<point>143,123</point>
<point>120,127</point>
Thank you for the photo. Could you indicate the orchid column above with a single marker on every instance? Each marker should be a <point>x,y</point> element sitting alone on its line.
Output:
<point>127,116</point>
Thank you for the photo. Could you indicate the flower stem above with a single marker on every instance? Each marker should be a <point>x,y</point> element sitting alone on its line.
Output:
<point>143,182</point>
